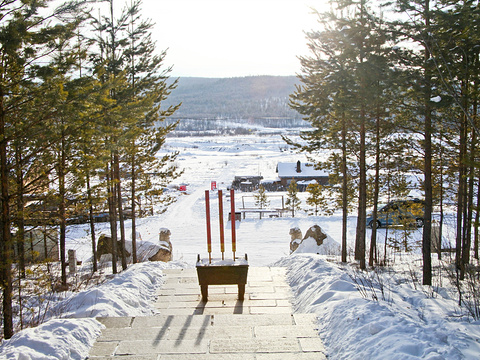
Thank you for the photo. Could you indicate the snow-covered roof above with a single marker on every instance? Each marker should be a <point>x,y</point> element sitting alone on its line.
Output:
<point>307,170</point>
<point>306,182</point>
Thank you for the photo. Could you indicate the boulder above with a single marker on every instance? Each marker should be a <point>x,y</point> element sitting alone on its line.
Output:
<point>165,252</point>
<point>316,233</point>
<point>164,234</point>
<point>104,246</point>
<point>295,238</point>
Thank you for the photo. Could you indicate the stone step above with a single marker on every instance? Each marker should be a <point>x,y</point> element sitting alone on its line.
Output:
<point>262,327</point>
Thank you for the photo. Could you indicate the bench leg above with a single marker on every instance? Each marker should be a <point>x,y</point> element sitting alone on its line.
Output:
<point>204,290</point>
<point>241,292</point>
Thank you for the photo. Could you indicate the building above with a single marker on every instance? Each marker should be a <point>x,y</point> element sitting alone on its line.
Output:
<point>303,173</point>
<point>246,183</point>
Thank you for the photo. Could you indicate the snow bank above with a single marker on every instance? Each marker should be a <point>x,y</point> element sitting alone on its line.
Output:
<point>309,245</point>
<point>129,293</point>
<point>407,325</point>
<point>55,339</point>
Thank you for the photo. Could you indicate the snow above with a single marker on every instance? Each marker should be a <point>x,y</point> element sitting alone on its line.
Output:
<point>130,293</point>
<point>396,318</point>
<point>407,324</point>
<point>289,170</point>
<point>55,339</point>
<point>222,262</point>
<point>436,99</point>
<point>309,245</point>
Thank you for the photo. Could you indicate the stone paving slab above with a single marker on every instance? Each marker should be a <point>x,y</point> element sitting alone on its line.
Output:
<point>262,327</point>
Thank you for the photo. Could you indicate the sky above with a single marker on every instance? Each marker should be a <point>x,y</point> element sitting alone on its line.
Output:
<point>229,38</point>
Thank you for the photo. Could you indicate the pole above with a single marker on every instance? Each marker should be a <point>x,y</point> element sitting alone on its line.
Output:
<point>232,218</point>
<point>222,234</point>
<point>209,231</point>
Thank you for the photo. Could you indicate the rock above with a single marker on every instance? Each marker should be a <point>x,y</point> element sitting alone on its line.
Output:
<point>165,235</point>
<point>165,252</point>
<point>104,246</point>
<point>316,233</point>
<point>295,238</point>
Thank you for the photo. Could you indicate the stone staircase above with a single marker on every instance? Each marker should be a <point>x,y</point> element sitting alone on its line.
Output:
<point>262,327</point>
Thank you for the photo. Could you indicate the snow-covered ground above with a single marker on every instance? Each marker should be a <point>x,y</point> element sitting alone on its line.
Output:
<point>383,314</point>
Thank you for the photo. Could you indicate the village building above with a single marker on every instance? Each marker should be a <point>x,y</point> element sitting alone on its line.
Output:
<point>303,173</point>
<point>246,183</point>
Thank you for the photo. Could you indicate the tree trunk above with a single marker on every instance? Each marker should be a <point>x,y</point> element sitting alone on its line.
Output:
<point>471,180</point>
<point>344,189</point>
<point>440,225</point>
<point>362,186</point>
<point>113,218</point>
<point>118,184</point>
<point>475,117</point>
<point>92,224</point>
<point>5,240</point>
<point>462,243</point>
<point>477,222</point>
<point>362,195</point>
<point>460,197</point>
<point>134,215</point>
<point>427,227</point>
<point>61,210</point>
<point>19,218</point>
<point>373,239</point>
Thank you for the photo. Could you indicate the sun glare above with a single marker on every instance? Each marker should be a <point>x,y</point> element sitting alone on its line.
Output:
<point>214,38</point>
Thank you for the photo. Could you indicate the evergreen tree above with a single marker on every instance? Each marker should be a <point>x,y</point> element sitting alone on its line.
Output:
<point>148,87</point>
<point>345,74</point>
<point>315,197</point>
<point>261,199</point>
<point>324,99</point>
<point>455,49</point>
<point>417,104</point>
<point>293,202</point>
<point>138,87</point>
<point>26,38</point>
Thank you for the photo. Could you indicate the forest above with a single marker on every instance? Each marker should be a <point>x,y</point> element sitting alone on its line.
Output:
<point>80,98</point>
<point>393,90</point>
<point>238,98</point>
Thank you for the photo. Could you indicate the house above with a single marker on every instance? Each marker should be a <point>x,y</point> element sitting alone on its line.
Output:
<point>303,173</point>
<point>246,183</point>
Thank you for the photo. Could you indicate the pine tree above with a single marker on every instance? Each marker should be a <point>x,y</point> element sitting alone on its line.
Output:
<point>26,39</point>
<point>419,91</point>
<point>324,99</point>
<point>293,202</point>
<point>261,199</point>
<point>345,74</point>
<point>149,87</point>
<point>138,87</point>
<point>455,49</point>
<point>315,197</point>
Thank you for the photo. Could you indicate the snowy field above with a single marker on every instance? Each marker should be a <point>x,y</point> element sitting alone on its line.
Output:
<point>390,316</point>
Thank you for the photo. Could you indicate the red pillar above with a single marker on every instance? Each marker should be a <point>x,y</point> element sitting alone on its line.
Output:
<point>232,218</point>
<point>222,234</point>
<point>209,231</point>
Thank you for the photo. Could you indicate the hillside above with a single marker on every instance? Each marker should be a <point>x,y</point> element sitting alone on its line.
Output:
<point>253,97</point>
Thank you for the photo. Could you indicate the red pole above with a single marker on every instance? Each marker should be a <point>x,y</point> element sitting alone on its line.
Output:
<point>232,218</point>
<point>220,213</point>
<point>209,231</point>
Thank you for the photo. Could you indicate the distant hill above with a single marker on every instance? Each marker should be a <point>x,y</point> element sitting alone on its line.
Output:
<point>252,97</point>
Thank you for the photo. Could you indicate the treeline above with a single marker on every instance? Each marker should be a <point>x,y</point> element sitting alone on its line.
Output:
<point>186,127</point>
<point>80,97</point>
<point>251,97</point>
<point>393,91</point>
